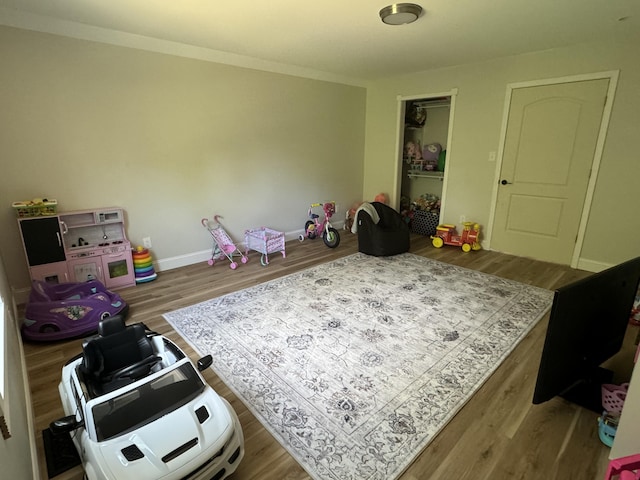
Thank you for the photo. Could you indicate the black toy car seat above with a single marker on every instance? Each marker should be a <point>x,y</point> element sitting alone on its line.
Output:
<point>118,351</point>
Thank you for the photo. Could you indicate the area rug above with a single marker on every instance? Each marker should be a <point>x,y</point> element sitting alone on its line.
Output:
<point>355,365</point>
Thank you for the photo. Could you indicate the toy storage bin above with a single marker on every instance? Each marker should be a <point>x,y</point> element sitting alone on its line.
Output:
<point>424,223</point>
<point>28,209</point>
<point>265,241</point>
<point>613,397</point>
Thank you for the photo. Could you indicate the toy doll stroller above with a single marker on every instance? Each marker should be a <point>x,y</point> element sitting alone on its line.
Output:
<point>223,246</point>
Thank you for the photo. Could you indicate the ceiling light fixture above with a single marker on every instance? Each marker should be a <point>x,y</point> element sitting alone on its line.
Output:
<point>400,13</point>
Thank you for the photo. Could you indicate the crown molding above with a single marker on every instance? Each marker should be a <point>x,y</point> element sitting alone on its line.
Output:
<point>55,26</point>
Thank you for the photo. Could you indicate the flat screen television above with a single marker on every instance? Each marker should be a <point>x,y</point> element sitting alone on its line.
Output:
<point>587,326</point>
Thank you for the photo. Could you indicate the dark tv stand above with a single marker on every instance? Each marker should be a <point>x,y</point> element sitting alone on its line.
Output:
<point>588,392</point>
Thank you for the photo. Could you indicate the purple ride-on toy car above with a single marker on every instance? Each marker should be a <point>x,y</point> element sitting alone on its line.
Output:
<point>68,310</point>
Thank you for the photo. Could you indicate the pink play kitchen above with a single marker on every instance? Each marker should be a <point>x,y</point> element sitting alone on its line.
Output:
<point>78,246</point>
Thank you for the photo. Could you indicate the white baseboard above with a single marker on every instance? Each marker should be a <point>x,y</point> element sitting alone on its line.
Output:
<point>21,295</point>
<point>204,255</point>
<point>170,263</point>
<point>592,265</point>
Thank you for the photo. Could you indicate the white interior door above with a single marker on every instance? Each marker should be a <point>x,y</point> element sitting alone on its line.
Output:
<point>548,153</point>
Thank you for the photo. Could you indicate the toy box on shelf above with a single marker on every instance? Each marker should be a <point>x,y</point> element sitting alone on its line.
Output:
<point>35,208</point>
<point>265,241</point>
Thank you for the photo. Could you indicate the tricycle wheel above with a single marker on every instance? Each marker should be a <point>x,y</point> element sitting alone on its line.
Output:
<point>331,238</point>
<point>233,265</point>
<point>466,247</point>
<point>301,238</point>
<point>309,233</point>
<point>437,242</point>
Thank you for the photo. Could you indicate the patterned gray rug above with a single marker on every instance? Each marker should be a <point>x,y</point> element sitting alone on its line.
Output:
<point>355,365</point>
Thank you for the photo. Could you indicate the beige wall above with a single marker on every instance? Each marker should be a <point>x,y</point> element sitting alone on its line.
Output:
<point>173,140</point>
<point>169,139</point>
<point>612,232</point>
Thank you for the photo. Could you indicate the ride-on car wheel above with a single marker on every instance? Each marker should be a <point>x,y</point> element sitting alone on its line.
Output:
<point>49,329</point>
<point>437,242</point>
<point>331,238</point>
<point>466,247</point>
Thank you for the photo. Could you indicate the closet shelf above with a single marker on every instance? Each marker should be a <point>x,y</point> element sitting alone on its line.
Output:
<point>426,174</point>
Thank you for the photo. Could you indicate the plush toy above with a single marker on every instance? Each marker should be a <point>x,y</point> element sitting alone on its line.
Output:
<point>350,216</point>
<point>414,115</point>
<point>412,151</point>
<point>431,153</point>
<point>382,198</point>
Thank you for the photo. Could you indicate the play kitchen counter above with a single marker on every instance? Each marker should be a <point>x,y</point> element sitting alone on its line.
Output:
<point>78,246</point>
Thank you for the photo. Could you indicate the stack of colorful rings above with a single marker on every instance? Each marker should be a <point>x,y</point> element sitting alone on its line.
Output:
<point>143,265</point>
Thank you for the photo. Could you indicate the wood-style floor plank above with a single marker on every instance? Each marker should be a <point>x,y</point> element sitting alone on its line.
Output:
<point>497,435</point>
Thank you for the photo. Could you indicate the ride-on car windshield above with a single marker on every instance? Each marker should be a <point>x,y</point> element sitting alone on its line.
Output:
<point>147,402</point>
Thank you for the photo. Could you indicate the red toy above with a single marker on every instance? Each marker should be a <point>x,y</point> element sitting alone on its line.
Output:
<point>446,234</point>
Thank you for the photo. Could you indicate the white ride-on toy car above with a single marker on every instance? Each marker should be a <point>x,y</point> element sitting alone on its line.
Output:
<point>138,409</point>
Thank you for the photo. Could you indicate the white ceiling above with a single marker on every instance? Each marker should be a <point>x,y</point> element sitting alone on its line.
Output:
<point>340,39</point>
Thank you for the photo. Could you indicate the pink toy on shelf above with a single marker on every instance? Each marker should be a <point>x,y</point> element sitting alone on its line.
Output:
<point>223,246</point>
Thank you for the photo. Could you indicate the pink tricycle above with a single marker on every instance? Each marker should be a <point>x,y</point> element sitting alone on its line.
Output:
<point>314,226</point>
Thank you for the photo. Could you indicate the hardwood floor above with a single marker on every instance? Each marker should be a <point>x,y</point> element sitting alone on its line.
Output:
<point>498,435</point>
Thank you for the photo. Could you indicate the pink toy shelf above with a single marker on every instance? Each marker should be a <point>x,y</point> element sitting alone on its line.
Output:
<point>265,241</point>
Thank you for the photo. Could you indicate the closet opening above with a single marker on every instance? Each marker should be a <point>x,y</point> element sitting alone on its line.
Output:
<point>424,153</point>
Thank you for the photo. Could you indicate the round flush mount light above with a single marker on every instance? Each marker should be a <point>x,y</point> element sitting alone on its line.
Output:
<point>400,13</point>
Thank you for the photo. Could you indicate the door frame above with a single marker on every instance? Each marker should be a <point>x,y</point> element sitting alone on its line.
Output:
<point>612,75</point>
<point>402,99</point>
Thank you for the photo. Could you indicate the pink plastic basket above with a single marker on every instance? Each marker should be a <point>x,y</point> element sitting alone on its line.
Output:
<point>613,397</point>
